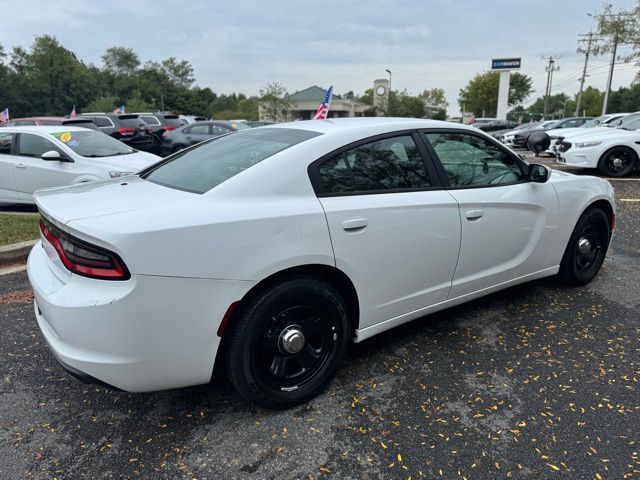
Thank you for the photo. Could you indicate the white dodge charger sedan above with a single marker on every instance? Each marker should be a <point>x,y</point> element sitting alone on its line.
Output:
<point>270,249</point>
<point>615,152</point>
<point>36,157</point>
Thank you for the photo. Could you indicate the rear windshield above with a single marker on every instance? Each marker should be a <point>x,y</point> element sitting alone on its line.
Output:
<point>131,122</point>
<point>200,169</point>
<point>171,120</point>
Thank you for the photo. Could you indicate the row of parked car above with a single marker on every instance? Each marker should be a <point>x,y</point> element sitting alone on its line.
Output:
<point>609,143</point>
<point>42,152</point>
<point>158,133</point>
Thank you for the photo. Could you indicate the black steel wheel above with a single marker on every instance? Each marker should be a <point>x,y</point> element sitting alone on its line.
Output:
<point>287,342</point>
<point>587,248</point>
<point>617,162</point>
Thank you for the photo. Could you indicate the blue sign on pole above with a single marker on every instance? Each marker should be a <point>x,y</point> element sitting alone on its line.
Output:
<point>505,63</point>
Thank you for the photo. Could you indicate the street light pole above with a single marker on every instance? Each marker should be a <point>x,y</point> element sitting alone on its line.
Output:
<point>389,98</point>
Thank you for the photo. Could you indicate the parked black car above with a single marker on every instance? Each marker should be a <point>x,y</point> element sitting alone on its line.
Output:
<point>187,135</point>
<point>159,123</point>
<point>128,128</point>
<point>521,138</point>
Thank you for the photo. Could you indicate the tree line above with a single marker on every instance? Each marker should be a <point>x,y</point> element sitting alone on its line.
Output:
<point>49,79</point>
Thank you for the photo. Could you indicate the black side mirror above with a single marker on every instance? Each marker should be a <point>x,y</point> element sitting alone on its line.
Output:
<point>538,173</point>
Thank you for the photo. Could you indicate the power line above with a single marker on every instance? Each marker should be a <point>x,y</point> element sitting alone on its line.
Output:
<point>589,39</point>
<point>550,68</point>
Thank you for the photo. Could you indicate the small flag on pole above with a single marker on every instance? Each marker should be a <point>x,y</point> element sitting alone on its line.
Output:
<point>120,109</point>
<point>323,109</point>
<point>73,113</point>
<point>4,115</point>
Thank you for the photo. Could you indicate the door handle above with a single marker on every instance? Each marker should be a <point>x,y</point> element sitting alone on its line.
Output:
<point>473,214</point>
<point>20,165</point>
<point>355,224</point>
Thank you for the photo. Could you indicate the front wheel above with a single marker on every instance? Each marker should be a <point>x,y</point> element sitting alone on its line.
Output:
<point>587,248</point>
<point>617,162</point>
<point>288,342</point>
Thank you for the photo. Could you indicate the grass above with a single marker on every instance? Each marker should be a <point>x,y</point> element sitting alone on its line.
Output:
<point>18,228</point>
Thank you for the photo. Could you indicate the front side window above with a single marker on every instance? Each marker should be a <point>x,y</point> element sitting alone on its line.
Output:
<point>207,165</point>
<point>5,143</point>
<point>389,164</point>
<point>34,146</point>
<point>471,161</point>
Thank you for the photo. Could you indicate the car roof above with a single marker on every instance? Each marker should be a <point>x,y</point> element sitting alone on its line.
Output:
<point>44,129</point>
<point>369,123</point>
<point>40,118</point>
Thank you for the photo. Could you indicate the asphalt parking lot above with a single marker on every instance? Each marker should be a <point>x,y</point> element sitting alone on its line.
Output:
<point>537,381</point>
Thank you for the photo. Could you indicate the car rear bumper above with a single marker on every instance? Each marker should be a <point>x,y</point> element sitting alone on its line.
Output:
<point>147,333</point>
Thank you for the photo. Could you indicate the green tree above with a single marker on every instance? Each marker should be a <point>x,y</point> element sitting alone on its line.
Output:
<point>480,96</point>
<point>121,61</point>
<point>179,72</point>
<point>136,103</point>
<point>101,104</point>
<point>274,102</point>
<point>405,105</point>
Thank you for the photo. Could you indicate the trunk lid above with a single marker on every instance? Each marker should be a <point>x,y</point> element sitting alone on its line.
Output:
<point>97,199</point>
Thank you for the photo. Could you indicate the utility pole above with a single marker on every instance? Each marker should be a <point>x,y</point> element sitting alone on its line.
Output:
<point>589,41</point>
<point>605,103</point>
<point>550,68</point>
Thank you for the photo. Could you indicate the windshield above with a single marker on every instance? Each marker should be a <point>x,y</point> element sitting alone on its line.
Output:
<point>633,124</point>
<point>210,163</point>
<point>594,122</point>
<point>628,120</point>
<point>91,144</point>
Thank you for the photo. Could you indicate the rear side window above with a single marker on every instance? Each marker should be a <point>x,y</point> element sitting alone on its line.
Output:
<point>34,146</point>
<point>174,121</point>
<point>218,130</point>
<point>5,143</point>
<point>198,129</point>
<point>389,164</point>
<point>207,165</point>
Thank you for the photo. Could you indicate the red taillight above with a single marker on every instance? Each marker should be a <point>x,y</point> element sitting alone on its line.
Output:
<point>126,131</point>
<point>84,258</point>
<point>169,127</point>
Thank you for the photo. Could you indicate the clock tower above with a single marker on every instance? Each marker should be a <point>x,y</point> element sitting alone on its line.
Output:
<point>381,96</point>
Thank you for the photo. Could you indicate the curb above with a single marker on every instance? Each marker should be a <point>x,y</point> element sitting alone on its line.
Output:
<point>16,252</point>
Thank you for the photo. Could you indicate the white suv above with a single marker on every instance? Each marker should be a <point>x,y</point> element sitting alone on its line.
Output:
<point>34,157</point>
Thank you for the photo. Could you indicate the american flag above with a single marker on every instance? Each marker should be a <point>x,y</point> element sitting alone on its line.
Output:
<point>4,115</point>
<point>120,109</point>
<point>323,109</point>
<point>73,113</point>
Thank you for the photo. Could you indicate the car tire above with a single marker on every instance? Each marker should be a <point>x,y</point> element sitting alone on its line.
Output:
<point>287,342</point>
<point>586,249</point>
<point>617,162</point>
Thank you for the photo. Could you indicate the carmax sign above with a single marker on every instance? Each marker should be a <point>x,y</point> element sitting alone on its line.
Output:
<point>505,63</point>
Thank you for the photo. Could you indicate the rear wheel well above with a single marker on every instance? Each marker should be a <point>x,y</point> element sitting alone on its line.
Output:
<point>333,276</point>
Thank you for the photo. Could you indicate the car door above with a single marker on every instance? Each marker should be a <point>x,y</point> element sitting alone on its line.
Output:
<point>7,180</point>
<point>395,232</point>
<point>32,172</point>
<point>508,223</point>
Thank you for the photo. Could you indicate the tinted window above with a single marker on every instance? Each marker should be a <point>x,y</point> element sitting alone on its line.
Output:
<point>34,145</point>
<point>473,161</point>
<point>131,122</point>
<point>25,122</point>
<point>5,143</point>
<point>102,121</point>
<point>198,129</point>
<point>209,164</point>
<point>389,164</point>
<point>172,120</point>
<point>151,120</point>
<point>218,130</point>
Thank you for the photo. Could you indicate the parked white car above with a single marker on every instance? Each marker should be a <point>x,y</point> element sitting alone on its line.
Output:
<point>609,120</point>
<point>270,249</point>
<point>34,157</point>
<point>615,152</point>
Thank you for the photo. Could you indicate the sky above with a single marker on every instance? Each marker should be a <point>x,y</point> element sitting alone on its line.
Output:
<point>240,46</point>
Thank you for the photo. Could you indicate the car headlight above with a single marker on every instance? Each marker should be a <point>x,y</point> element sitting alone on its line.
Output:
<point>117,173</point>
<point>587,144</point>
